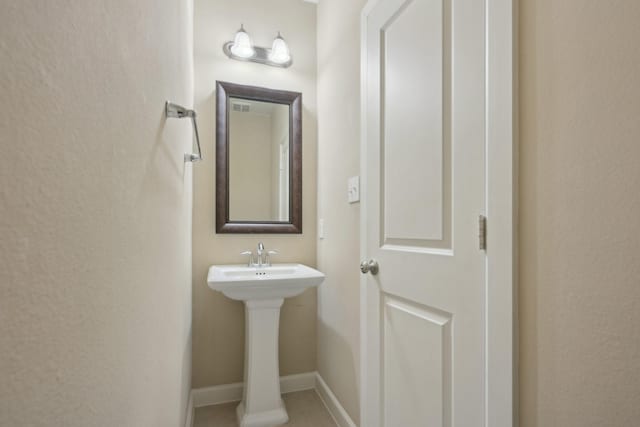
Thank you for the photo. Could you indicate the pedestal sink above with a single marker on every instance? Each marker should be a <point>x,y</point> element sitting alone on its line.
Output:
<point>263,290</point>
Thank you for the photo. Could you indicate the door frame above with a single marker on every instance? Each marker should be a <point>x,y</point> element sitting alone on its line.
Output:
<point>501,145</point>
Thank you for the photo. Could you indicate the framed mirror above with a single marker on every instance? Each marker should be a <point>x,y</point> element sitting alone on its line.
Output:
<point>258,160</point>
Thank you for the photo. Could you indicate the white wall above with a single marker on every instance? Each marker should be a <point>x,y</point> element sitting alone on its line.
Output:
<point>95,213</point>
<point>218,346</point>
<point>580,213</point>
<point>338,159</point>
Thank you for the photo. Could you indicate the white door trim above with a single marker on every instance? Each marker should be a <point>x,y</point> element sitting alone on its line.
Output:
<point>501,203</point>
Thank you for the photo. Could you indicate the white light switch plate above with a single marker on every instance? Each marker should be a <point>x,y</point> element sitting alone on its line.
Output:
<point>353,189</point>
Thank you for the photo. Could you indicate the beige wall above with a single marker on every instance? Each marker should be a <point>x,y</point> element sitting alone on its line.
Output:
<point>95,214</point>
<point>580,213</point>
<point>338,159</point>
<point>218,338</point>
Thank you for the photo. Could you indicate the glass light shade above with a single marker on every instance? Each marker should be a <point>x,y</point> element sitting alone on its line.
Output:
<point>242,45</point>
<point>279,51</point>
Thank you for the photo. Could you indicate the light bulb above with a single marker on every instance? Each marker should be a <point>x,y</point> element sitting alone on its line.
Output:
<point>279,51</point>
<point>242,45</point>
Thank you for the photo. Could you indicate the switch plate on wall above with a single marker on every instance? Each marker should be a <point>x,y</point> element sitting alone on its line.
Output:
<point>353,189</point>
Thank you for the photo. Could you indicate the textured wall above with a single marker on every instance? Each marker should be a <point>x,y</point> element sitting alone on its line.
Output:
<point>338,159</point>
<point>580,213</point>
<point>95,214</point>
<point>218,338</point>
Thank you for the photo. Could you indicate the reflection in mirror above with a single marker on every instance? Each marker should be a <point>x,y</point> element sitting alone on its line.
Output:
<point>258,160</point>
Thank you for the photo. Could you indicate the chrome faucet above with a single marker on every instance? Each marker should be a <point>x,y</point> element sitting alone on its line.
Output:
<point>267,257</point>
<point>250,255</point>
<point>260,253</point>
<point>262,258</point>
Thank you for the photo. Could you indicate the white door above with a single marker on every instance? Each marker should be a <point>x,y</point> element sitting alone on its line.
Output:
<point>424,167</point>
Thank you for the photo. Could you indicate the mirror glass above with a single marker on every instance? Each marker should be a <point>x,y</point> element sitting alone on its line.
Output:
<point>258,160</point>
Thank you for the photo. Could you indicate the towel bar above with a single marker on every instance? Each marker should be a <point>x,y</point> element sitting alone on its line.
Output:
<point>179,112</point>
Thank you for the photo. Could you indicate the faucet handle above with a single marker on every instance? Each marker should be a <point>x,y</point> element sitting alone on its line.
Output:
<point>250,255</point>
<point>269,253</point>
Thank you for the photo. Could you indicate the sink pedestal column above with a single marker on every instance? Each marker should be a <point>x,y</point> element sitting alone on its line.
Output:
<point>261,404</point>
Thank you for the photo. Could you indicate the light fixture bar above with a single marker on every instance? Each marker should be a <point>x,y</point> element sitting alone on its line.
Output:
<point>261,56</point>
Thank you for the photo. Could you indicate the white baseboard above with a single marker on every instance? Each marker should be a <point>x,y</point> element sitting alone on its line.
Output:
<point>334,407</point>
<point>226,393</point>
<point>218,394</point>
<point>190,411</point>
<point>298,382</point>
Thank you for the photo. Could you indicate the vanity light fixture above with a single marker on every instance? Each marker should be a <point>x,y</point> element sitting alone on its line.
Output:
<point>279,51</point>
<point>242,49</point>
<point>242,46</point>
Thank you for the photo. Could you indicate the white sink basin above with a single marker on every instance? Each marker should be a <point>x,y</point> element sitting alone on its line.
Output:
<point>244,283</point>
<point>263,290</point>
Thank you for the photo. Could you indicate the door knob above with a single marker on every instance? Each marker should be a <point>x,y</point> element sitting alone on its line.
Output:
<point>370,266</point>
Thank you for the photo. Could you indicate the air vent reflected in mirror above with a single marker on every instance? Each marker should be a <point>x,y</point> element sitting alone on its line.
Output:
<point>241,107</point>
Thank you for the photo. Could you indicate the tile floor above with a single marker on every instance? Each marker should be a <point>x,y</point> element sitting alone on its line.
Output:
<point>305,409</point>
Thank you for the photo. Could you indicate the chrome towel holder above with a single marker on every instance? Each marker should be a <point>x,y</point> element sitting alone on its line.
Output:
<point>172,110</point>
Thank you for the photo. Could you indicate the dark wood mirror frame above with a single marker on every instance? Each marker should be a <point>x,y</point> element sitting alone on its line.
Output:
<point>224,91</point>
